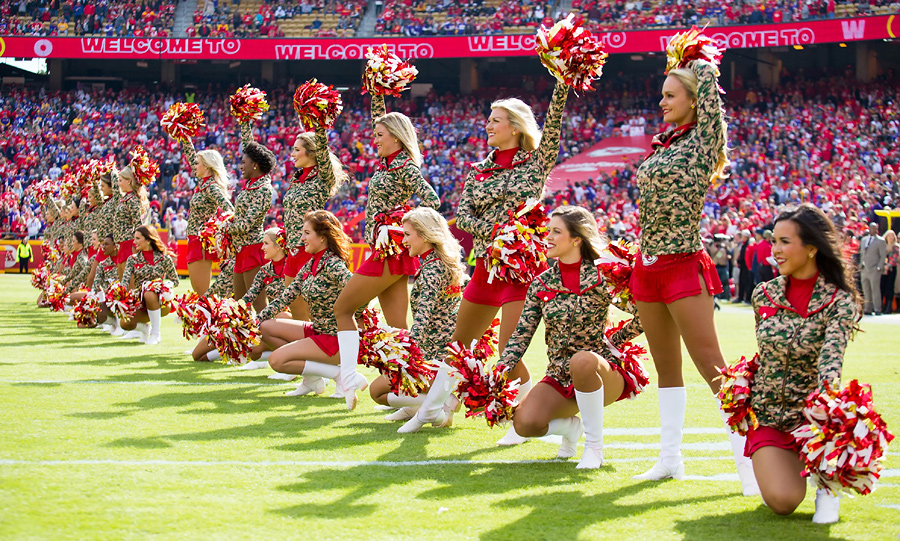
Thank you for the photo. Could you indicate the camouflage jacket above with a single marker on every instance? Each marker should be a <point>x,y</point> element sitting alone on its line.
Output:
<point>674,179</point>
<point>250,210</point>
<point>319,289</point>
<point>224,284</point>
<point>90,214</point>
<point>207,197</point>
<point>797,355</point>
<point>127,217</point>
<point>162,268</point>
<point>309,194</point>
<point>66,229</point>
<point>107,273</point>
<point>106,215</point>
<point>574,321</point>
<point>266,279</point>
<point>434,302</point>
<point>490,190</point>
<point>77,272</point>
<point>392,185</point>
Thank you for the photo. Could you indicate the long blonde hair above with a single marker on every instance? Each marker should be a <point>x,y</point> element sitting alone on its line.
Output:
<point>136,187</point>
<point>433,228</point>
<point>581,224</point>
<point>308,140</point>
<point>401,127</point>
<point>521,118</point>
<point>689,79</point>
<point>212,160</point>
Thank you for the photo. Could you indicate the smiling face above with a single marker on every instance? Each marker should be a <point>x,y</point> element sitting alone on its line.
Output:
<point>249,168</point>
<point>561,243</point>
<point>141,242</point>
<point>500,133</point>
<point>414,241</point>
<point>301,157</point>
<point>313,243</point>
<point>271,249</point>
<point>106,189</point>
<point>676,102</point>
<point>125,184</point>
<point>794,258</point>
<point>384,141</point>
<point>202,170</point>
<point>109,247</point>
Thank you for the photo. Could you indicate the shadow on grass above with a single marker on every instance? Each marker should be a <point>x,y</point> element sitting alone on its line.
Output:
<point>759,523</point>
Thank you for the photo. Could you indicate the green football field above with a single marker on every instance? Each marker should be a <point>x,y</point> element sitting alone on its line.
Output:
<point>109,439</point>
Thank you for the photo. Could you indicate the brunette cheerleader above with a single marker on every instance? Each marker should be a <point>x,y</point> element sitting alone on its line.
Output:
<point>151,261</point>
<point>105,273</point>
<point>130,206</point>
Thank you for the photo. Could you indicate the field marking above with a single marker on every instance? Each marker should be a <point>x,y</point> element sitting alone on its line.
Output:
<point>145,382</point>
<point>890,506</point>
<point>891,472</point>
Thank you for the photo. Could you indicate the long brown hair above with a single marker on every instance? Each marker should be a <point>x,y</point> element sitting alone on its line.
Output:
<point>156,244</point>
<point>326,225</point>
<point>581,224</point>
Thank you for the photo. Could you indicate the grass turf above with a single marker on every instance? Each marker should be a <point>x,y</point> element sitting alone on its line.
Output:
<point>111,439</point>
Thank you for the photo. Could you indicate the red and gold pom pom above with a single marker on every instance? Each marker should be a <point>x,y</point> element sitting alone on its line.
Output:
<point>685,47</point>
<point>486,346</point>
<point>164,289</point>
<point>102,167</point>
<point>145,170</point>
<point>317,104</point>
<point>183,121</point>
<point>195,313</point>
<point>121,301</point>
<point>56,295</point>
<point>40,275</point>
<point>395,355</point>
<point>233,330</point>
<point>281,238</point>
<point>616,263</point>
<point>631,356</point>
<point>386,74</point>
<point>518,250</point>
<point>484,391</point>
<point>69,184</point>
<point>44,189</point>
<point>737,380</point>
<point>248,104</point>
<point>389,233</point>
<point>86,311</point>
<point>214,236</point>
<point>571,53</point>
<point>843,440</point>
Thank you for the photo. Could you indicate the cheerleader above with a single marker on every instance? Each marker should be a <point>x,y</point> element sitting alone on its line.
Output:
<point>269,282</point>
<point>151,262</point>
<point>250,210</point>
<point>105,214</point>
<point>511,174</point>
<point>210,194</point>
<point>804,319</point>
<point>396,180</point>
<point>434,299</point>
<point>77,264</point>
<point>311,347</point>
<point>93,203</point>
<point>130,206</point>
<point>319,173</point>
<point>674,279</point>
<point>106,272</point>
<point>224,284</point>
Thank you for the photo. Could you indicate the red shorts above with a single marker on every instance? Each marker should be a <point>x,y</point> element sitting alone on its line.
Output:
<point>498,293</point>
<point>125,249</point>
<point>195,251</point>
<point>667,278</point>
<point>249,257</point>
<point>326,342</point>
<point>569,391</point>
<point>766,436</point>
<point>294,263</point>
<point>399,264</point>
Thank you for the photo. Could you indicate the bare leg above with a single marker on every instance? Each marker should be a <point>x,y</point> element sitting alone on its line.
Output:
<point>202,349</point>
<point>395,302</point>
<point>540,406</point>
<point>277,333</point>
<point>359,291</point>
<point>292,358</point>
<point>778,474</point>
<point>590,372</point>
<point>200,273</point>
<point>697,326</point>
<point>379,389</point>
<point>260,301</point>
<point>664,341</point>
<point>510,313</point>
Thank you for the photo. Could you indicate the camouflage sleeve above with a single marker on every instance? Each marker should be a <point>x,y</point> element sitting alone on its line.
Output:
<point>548,150</point>
<point>630,331</point>
<point>246,134</point>
<point>98,196</point>
<point>170,272</point>
<point>129,270</point>
<point>423,189</point>
<point>79,273</point>
<point>219,198</point>
<point>528,323</point>
<point>465,214</point>
<point>430,288</point>
<point>190,153</point>
<point>224,283</point>
<point>259,283</point>
<point>755,299</point>
<point>258,206</point>
<point>323,161</point>
<point>842,317</point>
<point>281,302</point>
<point>710,124</point>
<point>378,108</point>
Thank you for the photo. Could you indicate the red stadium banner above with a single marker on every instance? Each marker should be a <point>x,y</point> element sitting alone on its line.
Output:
<point>611,154</point>
<point>638,41</point>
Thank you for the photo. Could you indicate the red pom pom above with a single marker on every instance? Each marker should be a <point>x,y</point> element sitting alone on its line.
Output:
<point>389,232</point>
<point>121,301</point>
<point>685,47</point>
<point>56,295</point>
<point>86,310</point>
<point>214,236</point>
<point>317,104</point>
<point>632,358</point>
<point>163,289</point>
<point>572,54</point>
<point>248,104</point>
<point>395,355</point>
<point>616,264</point>
<point>43,189</point>
<point>386,74</point>
<point>484,391</point>
<point>183,121</point>
<point>233,330</point>
<point>145,170</point>
<point>195,313</point>
<point>518,250</point>
<point>737,380</point>
<point>843,440</point>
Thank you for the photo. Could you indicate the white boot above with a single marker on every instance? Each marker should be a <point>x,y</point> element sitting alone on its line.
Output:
<point>827,508</point>
<point>433,408</point>
<point>67,308</point>
<point>571,430</point>
<point>214,355</point>
<point>155,327</point>
<point>511,438</point>
<point>408,405</point>
<point>139,332</point>
<point>263,362</point>
<point>672,403</point>
<point>591,407</point>
<point>116,329</point>
<point>313,374</point>
<point>749,487</point>
<point>348,342</point>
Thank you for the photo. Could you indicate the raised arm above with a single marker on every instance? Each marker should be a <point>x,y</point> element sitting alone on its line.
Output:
<point>710,115</point>
<point>187,148</point>
<point>548,150</point>
<point>323,160</point>
<point>246,134</point>
<point>378,108</point>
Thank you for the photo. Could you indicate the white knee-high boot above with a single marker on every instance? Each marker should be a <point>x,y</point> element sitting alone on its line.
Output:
<point>155,327</point>
<point>214,355</point>
<point>672,404</point>
<point>408,406</point>
<point>313,373</point>
<point>116,329</point>
<point>749,487</point>
<point>827,508</point>
<point>350,381</point>
<point>571,430</point>
<point>511,438</point>
<point>263,362</point>
<point>432,409</point>
<point>591,407</point>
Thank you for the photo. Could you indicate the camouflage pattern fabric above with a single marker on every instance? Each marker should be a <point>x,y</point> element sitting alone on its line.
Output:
<point>434,302</point>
